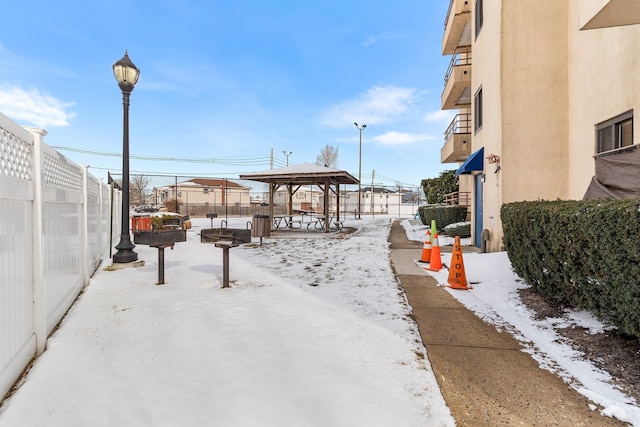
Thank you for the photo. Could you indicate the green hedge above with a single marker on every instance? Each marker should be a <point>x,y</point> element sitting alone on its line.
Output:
<point>463,230</point>
<point>584,254</point>
<point>443,215</point>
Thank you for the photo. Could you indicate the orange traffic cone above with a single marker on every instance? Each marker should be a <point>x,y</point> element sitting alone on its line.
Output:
<point>426,248</point>
<point>436,262</point>
<point>457,276</point>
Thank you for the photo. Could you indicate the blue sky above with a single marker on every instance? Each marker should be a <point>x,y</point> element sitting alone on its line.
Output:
<point>223,83</point>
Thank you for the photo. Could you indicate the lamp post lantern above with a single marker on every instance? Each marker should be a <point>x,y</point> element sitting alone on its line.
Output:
<point>127,74</point>
<point>360,128</point>
<point>287,155</point>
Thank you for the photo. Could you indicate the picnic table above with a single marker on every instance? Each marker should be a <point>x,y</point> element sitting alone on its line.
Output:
<point>286,221</point>
<point>305,212</point>
<point>320,221</point>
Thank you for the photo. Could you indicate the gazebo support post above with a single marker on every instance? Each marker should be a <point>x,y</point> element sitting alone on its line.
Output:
<point>337,201</point>
<point>327,214</point>
<point>272,192</point>
<point>290,209</point>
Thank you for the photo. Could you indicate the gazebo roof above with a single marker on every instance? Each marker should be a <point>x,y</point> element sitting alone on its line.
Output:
<point>304,174</point>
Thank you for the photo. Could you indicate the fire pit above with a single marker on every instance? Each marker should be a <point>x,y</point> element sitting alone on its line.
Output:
<point>235,235</point>
<point>160,231</point>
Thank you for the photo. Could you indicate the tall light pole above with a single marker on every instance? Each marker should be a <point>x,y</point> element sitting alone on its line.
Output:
<point>360,128</point>
<point>287,155</point>
<point>127,74</point>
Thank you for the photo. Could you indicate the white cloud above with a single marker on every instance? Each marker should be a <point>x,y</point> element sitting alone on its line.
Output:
<point>440,116</point>
<point>377,106</point>
<point>373,39</point>
<point>33,107</point>
<point>401,138</point>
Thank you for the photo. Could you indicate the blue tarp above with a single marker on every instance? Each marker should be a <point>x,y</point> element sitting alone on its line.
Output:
<point>475,162</point>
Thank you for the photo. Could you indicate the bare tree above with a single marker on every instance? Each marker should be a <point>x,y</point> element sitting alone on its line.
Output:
<point>328,156</point>
<point>137,189</point>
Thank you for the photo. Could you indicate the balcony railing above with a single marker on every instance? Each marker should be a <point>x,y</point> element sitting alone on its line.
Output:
<point>451,3</point>
<point>462,57</point>
<point>459,198</point>
<point>460,124</point>
<point>446,19</point>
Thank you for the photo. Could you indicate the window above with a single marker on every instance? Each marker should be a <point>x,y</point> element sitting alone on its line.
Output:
<point>205,190</point>
<point>615,133</point>
<point>479,17</point>
<point>477,110</point>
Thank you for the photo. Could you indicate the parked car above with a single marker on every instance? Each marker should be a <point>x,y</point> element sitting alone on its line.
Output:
<point>145,208</point>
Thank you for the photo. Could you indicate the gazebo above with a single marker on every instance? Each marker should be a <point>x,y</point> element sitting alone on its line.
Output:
<point>294,177</point>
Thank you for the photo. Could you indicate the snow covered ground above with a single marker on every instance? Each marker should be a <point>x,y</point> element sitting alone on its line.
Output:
<point>314,331</point>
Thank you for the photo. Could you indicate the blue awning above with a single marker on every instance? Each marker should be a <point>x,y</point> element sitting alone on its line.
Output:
<point>475,162</point>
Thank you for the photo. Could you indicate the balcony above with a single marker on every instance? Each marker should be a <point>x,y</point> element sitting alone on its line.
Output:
<point>457,26</point>
<point>608,13</point>
<point>457,140</point>
<point>457,82</point>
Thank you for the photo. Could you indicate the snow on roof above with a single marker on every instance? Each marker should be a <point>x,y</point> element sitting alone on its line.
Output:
<point>303,168</point>
<point>302,173</point>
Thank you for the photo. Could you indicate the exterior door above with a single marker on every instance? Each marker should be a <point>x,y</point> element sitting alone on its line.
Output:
<point>477,219</point>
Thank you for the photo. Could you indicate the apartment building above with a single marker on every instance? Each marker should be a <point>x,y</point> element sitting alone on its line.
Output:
<point>545,93</point>
<point>214,192</point>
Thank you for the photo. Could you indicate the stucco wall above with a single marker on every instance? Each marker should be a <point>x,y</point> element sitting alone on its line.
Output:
<point>535,100</point>
<point>604,71</point>
<point>525,104</point>
<point>486,74</point>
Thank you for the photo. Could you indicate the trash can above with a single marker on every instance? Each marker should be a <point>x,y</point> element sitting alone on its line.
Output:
<point>261,226</point>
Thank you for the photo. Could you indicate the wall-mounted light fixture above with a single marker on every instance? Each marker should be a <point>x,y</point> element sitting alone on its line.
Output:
<point>492,158</point>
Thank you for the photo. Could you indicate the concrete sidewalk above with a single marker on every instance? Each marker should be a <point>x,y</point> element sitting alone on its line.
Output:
<point>485,377</point>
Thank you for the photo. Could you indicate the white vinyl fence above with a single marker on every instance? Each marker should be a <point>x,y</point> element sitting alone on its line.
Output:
<point>55,228</point>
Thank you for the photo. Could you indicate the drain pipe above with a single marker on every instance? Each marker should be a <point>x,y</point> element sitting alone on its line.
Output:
<point>485,236</point>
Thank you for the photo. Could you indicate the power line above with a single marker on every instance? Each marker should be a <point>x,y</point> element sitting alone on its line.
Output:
<point>395,181</point>
<point>182,174</point>
<point>228,161</point>
<point>379,177</point>
<point>260,160</point>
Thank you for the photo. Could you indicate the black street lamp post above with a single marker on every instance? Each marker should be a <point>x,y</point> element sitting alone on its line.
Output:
<point>360,128</point>
<point>127,74</point>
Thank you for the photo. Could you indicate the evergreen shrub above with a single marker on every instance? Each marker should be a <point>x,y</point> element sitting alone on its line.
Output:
<point>462,230</point>
<point>442,214</point>
<point>584,254</point>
